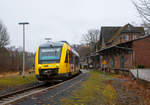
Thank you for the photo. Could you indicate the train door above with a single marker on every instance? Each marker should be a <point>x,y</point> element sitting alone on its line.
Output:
<point>77,65</point>
<point>67,61</point>
<point>74,59</point>
<point>71,62</point>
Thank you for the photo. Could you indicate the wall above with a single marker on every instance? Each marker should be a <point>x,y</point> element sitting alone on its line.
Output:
<point>142,52</point>
<point>121,40</point>
<point>128,61</point>
<point>141,74</point>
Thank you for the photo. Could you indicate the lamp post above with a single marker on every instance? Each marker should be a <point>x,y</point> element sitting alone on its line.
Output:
<point>48,39</point>
<point>23,24</point>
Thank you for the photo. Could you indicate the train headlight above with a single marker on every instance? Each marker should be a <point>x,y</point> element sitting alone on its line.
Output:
<point>40,66</point>
<point>57,65</point>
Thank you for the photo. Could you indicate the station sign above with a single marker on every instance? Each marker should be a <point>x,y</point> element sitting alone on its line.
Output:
<point>104,62</point>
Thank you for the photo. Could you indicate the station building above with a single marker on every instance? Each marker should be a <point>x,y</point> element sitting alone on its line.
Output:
<point>122,48</point>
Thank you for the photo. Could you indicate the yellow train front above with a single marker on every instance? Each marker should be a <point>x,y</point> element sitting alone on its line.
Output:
<point>56,60</point>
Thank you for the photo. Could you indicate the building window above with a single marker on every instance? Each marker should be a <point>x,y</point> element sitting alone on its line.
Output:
<point>122,61</point>
<point>125,37</point>
<point>121,39</point>
<point>134,37</point>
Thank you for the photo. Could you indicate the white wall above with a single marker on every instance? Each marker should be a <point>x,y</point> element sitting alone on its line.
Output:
<point>142,73</point>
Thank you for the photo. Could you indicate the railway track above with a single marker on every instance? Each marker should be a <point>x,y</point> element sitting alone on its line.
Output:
<point>17,95</point>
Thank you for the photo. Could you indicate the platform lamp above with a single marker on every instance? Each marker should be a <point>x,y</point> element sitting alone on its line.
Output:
<point>23,24</point>
<point>48,39</point>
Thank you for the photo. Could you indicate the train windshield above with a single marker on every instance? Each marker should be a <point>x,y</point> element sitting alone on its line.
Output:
<point>49,55</point>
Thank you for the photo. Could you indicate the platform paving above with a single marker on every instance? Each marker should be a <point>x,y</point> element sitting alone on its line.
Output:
<point>143,74</point>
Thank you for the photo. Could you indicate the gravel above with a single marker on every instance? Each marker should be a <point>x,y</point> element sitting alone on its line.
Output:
<point>9,90</point>
<point>53,96</point>
<point>126,96</point>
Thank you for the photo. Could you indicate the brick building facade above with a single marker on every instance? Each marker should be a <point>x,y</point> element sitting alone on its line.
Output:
<point>142,51</point>
<point>128,55</point>
<point>123,47</point>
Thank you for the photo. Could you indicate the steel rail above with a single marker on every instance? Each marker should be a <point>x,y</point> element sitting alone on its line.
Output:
<point>20,91</point>
<point>13,94</point>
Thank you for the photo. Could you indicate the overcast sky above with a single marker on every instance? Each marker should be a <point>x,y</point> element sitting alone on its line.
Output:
<point>62,19</point>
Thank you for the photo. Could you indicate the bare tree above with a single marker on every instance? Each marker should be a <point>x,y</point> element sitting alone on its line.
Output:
<point>83,50</point>
<point>143,7</point>
<point>91,38</point>
<point>4,38</point>
<point>146,27</point>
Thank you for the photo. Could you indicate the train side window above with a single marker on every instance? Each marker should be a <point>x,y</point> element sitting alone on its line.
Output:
<point>77,60</point>
<point>66,59</point>
<point>70,57</point>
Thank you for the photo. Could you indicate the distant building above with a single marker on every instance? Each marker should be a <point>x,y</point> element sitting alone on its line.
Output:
<point>83,63</point>
<point>83,51</point>
<point>122,47</point>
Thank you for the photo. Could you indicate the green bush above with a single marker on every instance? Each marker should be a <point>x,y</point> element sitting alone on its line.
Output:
<point>141,66</point>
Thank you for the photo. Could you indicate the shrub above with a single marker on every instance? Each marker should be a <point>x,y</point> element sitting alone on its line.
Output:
<point>141,66</point>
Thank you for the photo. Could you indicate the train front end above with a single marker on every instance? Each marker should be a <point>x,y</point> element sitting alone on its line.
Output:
<point>47,61</point>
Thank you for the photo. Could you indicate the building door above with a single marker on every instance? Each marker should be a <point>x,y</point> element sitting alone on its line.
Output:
<point>122,62</point>
<point>113,62</point>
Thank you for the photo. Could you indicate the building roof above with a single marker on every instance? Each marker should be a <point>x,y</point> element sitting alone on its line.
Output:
<point>118,45</point>
<point>109,33</point>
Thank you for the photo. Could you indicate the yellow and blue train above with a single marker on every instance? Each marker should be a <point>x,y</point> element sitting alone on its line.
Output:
<point>56,60</point>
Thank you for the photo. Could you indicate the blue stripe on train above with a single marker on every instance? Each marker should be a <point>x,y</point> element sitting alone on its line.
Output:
<point>49,57</point>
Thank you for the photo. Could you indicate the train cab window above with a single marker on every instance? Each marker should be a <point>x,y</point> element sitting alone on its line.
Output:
<point>49,55</point>
<point>66,59</point>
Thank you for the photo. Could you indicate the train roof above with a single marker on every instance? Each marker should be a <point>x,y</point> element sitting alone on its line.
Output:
<point>75,52</point>
<point>57,44</point>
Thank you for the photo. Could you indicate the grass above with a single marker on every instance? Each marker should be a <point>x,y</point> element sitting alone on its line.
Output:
<point>97,90</point>
<point>11,74</point>
<point>8,74</point>
<point>16,81</point>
